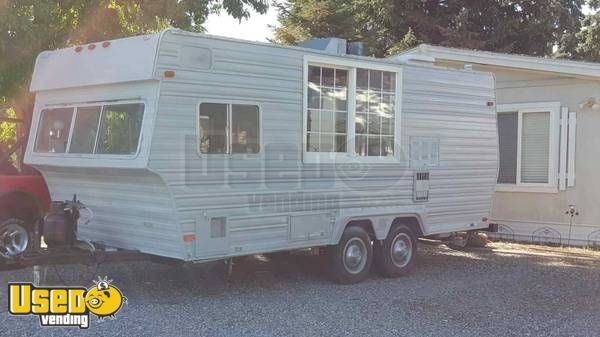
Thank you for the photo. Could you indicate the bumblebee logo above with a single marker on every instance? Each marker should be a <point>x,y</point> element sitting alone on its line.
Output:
<point>65,306</point>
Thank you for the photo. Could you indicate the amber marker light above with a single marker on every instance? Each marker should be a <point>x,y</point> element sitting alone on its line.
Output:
<point>169,74</point>
<point>189,237</point>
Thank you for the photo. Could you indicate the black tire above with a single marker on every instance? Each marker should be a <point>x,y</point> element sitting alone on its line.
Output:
<point>355,267</point>
<point>396,255</point>
<point>14,233</point>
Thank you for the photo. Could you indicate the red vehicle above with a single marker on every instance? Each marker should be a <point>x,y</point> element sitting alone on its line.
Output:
<point>24,199</point>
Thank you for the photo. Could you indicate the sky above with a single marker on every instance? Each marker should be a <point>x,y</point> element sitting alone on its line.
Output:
<point>255,28</point>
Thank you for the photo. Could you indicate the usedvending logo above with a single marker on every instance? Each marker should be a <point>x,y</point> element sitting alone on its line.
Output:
<point>66,306</point>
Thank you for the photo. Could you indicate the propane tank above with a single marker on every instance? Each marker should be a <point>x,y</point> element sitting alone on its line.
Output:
<point>60,225</point>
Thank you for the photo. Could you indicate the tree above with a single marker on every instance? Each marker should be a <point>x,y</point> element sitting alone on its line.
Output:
<point>530,27</point>
<point>585,44</point>
<point>303,19</point>
<point>408,41</point>
<point>28,27</point>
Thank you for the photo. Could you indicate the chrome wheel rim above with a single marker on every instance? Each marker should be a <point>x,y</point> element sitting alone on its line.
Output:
<point>355,255</point>
<point>13,240</point>
<point>401,250</point>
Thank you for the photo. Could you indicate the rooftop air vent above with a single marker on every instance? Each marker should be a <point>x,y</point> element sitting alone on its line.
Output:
<point>331,45</point>
<point>355,48</point>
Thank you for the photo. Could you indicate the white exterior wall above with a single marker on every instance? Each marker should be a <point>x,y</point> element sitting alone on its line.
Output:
<point>274,200</point>
<point>132,207</point>
<point>526,215</point>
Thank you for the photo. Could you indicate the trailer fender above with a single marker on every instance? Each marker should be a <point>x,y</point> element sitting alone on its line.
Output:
<point>378,226</point>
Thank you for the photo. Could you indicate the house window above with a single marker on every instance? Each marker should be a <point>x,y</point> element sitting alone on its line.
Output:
<point>327,109</point>
<point>228,128</point>
<point>535,141</point>
<point>528,144</point>
<point>508,128</point>
<point>350,111</point>
<point>100,129</point>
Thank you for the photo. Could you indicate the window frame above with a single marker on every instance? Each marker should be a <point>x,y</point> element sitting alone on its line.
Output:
<point>350,156</point>
<point>76,107</point>
<point>553,108</point>
<point>229,103</point>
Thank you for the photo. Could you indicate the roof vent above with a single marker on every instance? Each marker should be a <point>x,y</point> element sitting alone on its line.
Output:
<point>356,48</point>
<point>331,45</point>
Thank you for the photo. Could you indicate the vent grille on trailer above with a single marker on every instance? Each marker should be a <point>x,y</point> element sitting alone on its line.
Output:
<point>217,227</point>
<point>421,186</point>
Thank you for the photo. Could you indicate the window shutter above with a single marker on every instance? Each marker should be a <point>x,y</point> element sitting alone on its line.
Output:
<point>562,171</point>
<point>571,150</point>
<point>535,137</point>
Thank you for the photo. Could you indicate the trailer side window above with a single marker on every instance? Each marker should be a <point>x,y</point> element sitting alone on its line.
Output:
<point>327,109</point>
<point>53,131</point>
<point>228,128</point>
<point>120,128</point>
<point>213,128</point>
<point>244,129</point>
<point>375,111</point>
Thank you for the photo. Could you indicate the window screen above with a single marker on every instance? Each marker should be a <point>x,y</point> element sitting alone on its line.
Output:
<point>508,124</point>
<point>327,109</point>
<point>85,130</point>
<point>53,131</point>
<point>120,128</point>
<point>229,128</point>
<point>535,141</point>
<point>375,111</point>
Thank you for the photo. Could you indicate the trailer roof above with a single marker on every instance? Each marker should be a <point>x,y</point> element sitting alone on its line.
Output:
<point>130,59</point>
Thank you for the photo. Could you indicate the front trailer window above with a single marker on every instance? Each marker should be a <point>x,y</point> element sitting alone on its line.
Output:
<point>85,130</point>
<point>53,131</point>
<point>120,129</point>
<point>112,129</point>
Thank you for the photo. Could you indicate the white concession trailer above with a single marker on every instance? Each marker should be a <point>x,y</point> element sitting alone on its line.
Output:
<point>199,148</point>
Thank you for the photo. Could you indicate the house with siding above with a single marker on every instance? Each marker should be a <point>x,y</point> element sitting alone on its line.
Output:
<point>548,120</point>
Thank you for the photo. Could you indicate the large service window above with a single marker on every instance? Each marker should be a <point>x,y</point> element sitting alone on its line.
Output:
<point>228,128</point>
<point>375,107</point>
<point>111,129</point>
<point>327,109</point>
<point>350,111</point>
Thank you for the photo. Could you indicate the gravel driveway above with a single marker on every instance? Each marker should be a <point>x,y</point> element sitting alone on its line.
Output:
<point>501,290</point>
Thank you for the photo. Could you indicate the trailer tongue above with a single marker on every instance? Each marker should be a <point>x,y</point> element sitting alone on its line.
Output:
<point>59,244</point>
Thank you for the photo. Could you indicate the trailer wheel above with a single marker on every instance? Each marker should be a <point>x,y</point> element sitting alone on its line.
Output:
<point>395,256</point>
<point>15,238</point>
<point>350,260</point>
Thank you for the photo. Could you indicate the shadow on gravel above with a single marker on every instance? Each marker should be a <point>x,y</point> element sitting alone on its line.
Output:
<point>277,272</point>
